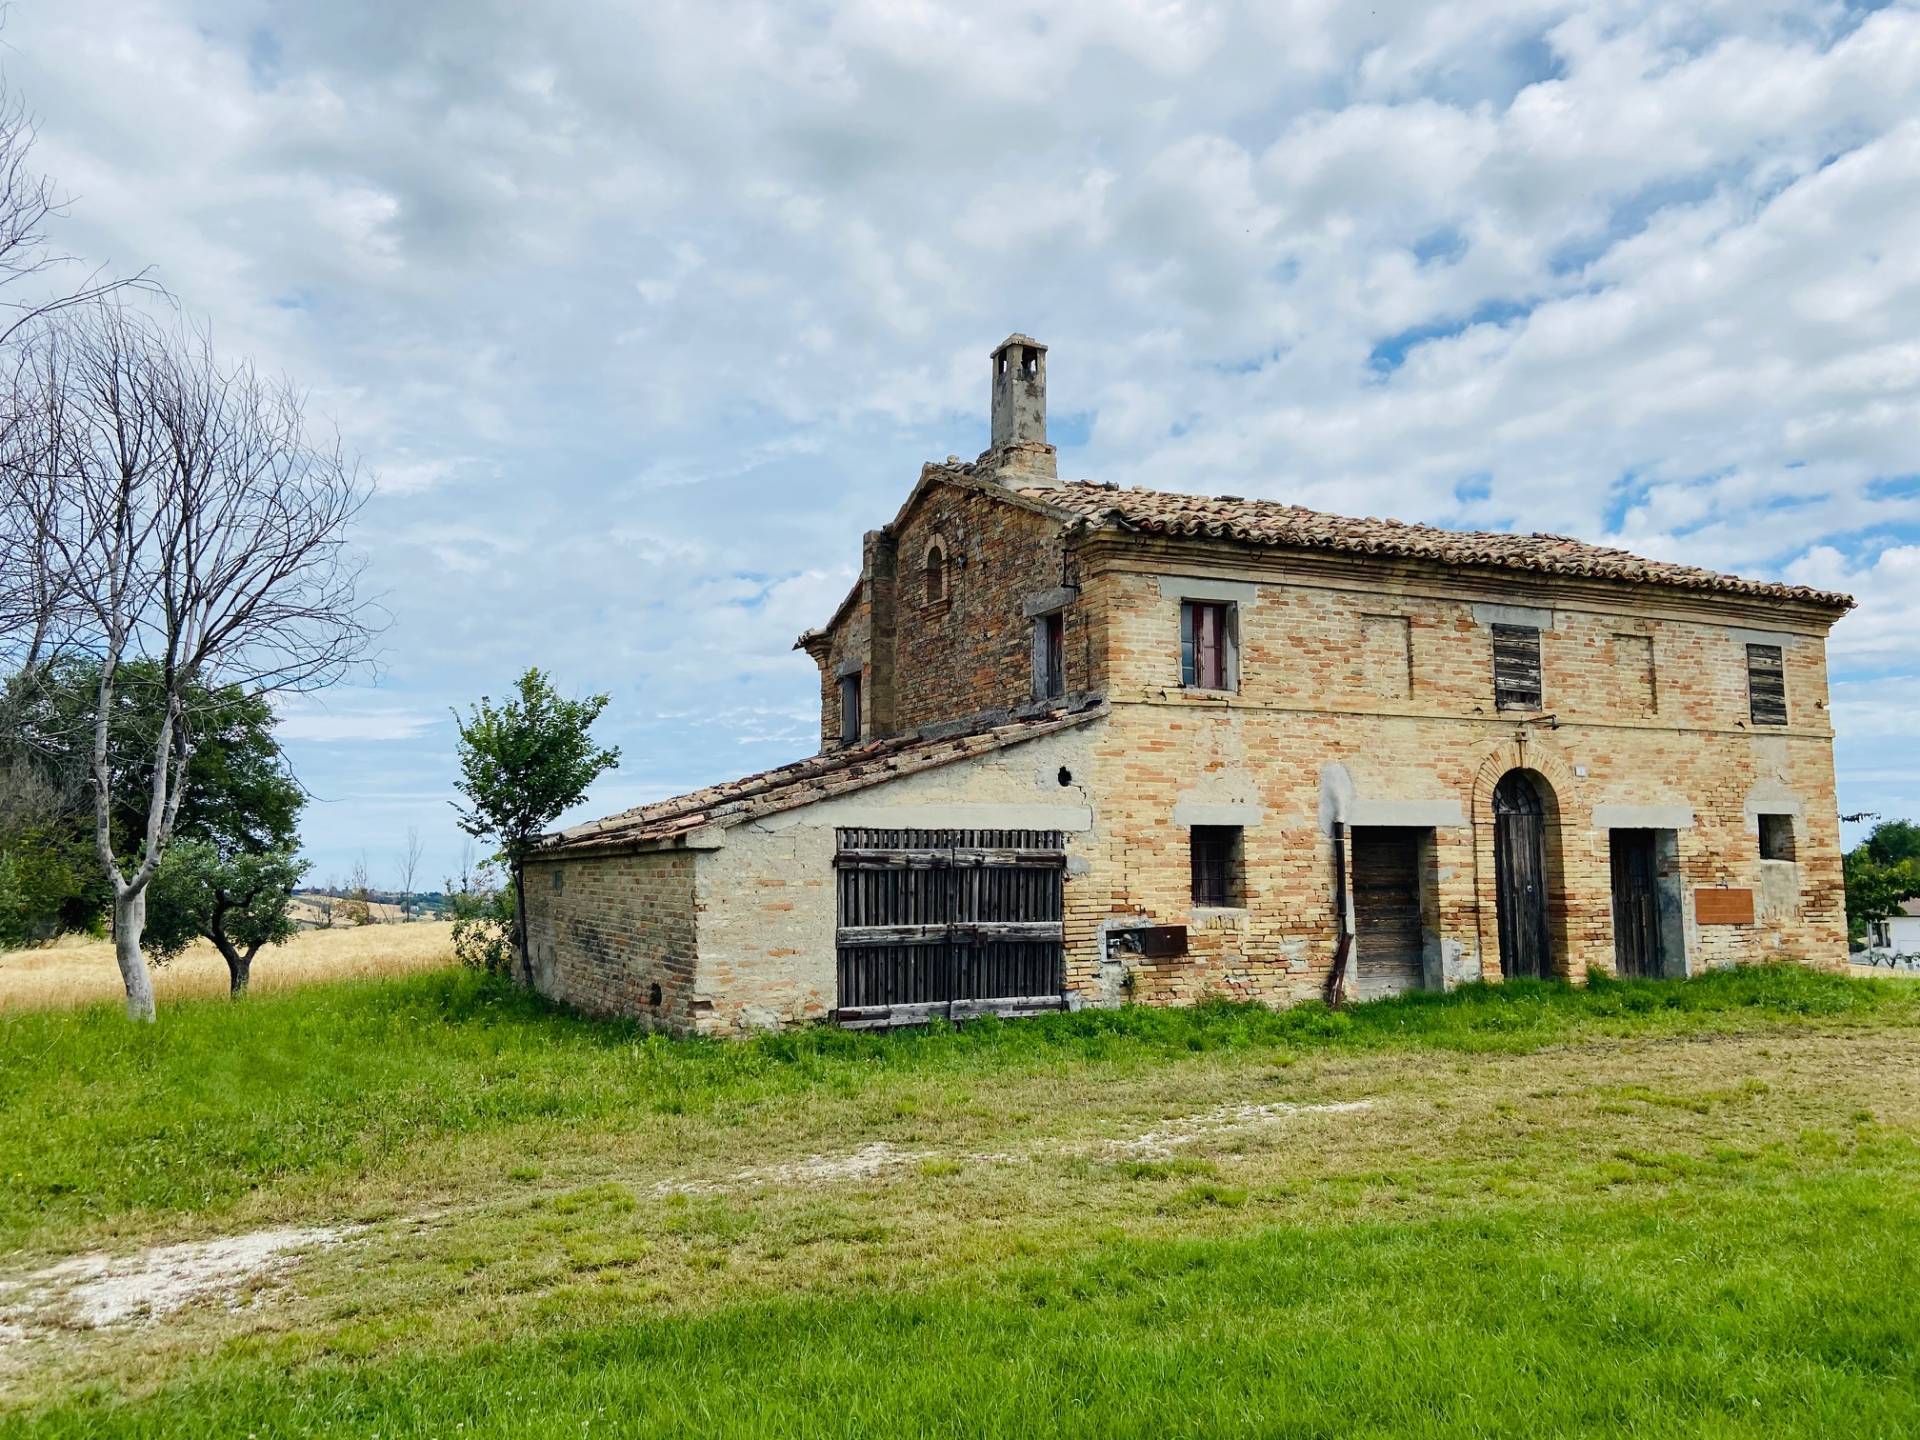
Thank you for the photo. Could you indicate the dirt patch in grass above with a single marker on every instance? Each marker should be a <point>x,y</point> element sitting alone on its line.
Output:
<point>90,1291</point>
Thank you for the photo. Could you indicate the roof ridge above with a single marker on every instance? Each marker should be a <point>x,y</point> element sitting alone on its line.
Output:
<point>1283,522</point>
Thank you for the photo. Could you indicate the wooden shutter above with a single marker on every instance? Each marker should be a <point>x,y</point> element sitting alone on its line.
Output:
<point>1389,938</point>
<point>849,708</point>
<point>1049,657</point>
<point>1516,667</point>
<point>1766,685</point>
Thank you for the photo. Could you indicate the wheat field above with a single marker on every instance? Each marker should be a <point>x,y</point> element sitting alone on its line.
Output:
<point>76,971</point>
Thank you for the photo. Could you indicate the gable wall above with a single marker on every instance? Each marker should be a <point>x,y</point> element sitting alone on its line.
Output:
<point>766,901</point>
<point>927,661</point>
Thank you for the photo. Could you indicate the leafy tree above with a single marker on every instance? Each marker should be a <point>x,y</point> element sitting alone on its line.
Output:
<point>41,873</point>
<point>1894,842</point>
<point>241,902</point>
<point>238,824</point>
<point>1878,882</point>
<point>238,792</point>
<point>521,764</point>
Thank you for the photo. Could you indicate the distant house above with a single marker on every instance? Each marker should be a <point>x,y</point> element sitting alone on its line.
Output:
<point>1082,744</point>
<point>1899,933</point>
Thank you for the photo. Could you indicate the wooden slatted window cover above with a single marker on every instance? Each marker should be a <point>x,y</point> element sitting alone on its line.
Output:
<point>1216,865</point>
<point>934,916</point>
<point>1205,634</point>
<point>1766,685</point>
<point>1516,667</point>
<point>849,709</point>
<point>1050,656</point>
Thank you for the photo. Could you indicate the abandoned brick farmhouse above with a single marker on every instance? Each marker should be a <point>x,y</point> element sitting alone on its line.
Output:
<point>1081,745</point>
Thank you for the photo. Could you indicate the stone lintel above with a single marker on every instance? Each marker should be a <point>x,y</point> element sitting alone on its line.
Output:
<point>1213,812</point>
<point>1484,614</point>
<point>1203,587</point>
<point>1047,601</point>
<point>1415,814</point>
<point>1642,817</point>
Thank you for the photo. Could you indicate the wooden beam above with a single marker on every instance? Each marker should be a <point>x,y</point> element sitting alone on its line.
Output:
<point>877,1017</point>
<point>871,859</point>
<point>850,935</point>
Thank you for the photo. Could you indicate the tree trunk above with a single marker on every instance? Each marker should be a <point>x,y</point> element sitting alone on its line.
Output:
<point>520,927</point>
<point>239,967</point>
<point>129,919</point>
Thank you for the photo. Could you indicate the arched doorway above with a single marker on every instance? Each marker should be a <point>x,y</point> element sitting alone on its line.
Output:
<point>1520,876</point>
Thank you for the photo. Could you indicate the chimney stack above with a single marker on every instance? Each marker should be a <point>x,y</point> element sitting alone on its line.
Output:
<point>1019,453</point>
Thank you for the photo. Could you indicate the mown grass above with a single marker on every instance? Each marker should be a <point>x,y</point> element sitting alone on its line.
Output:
<point>1547,1219</point>
<point>99,1118</point>
<point>1778,1312</point>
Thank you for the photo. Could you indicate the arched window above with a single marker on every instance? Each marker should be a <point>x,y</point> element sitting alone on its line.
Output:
<point>936,573</point>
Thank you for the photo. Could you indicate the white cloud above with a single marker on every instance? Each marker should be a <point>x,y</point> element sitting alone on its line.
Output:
<point>340,720</point>
<point>645,313</point>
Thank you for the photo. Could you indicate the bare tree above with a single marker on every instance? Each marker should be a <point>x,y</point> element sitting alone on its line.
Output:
<point>409,871</point>
<point>323,902</point>
<point>356,908</point>
<point>179,512</point>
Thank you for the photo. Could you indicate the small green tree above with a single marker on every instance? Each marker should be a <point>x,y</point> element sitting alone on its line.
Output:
<point>521,764</point>
<point>241,902</point>
<point>483,919</point>
<point>1879,876</point>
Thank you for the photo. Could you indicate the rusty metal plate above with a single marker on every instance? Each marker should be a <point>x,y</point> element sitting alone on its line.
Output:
<point>1163,940</point>
<point>1723,907</point>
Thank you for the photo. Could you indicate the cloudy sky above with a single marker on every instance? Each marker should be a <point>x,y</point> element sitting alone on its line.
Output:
<point>642,313</point>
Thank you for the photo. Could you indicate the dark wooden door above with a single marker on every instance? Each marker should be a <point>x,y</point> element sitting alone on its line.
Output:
<point>1389,942</point>
<point>1636,904</point>
<point>1520,876</point>
<point>948,922</point>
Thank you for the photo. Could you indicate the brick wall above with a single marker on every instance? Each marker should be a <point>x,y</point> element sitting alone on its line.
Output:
<point>1317,726</point>
<point>602,931</point>
<point>927,660</point>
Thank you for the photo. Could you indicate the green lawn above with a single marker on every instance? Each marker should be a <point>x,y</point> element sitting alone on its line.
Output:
<point>1674,1208</point>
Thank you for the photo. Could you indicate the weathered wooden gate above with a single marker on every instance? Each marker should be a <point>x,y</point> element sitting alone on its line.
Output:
<point>1520,876</point>
<point>1636,904</point>
<point>949,922</point>
<point>1389,940</point>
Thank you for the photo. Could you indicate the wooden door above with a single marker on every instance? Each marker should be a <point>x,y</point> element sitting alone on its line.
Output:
<point>1636,904</point>
<point>1389,941</point>
<point>1520,877</point>
<point>949,922</point>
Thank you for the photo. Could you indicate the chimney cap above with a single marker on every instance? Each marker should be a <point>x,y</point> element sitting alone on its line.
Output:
<point>1017,339</point>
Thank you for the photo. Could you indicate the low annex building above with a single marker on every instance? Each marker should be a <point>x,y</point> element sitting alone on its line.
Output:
<point>1082,745</point>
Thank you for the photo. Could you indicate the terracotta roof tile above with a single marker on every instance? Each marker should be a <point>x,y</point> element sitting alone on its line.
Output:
<point>1269,522</point>
<point>818,777</point>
